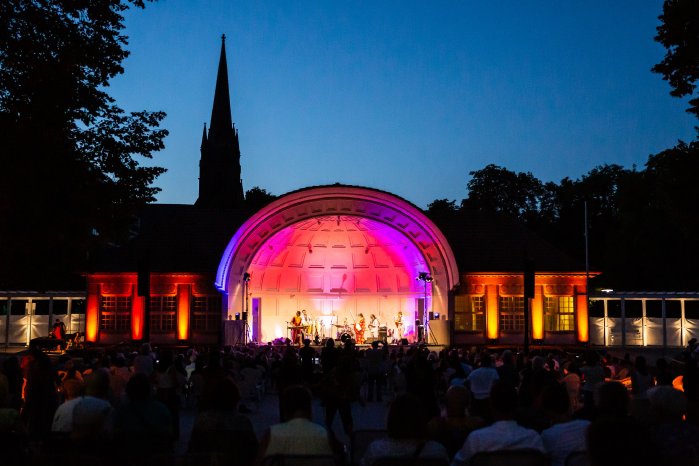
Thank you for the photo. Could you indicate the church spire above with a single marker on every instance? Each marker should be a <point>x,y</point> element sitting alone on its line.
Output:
<point>221,121</point>
<point>220,185</point>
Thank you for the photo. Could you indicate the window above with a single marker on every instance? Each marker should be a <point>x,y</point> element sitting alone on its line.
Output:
<point>77,306</point>
<point>633,308</point>
<point>162,313</point>
<point>469,313</point>
<point>18,307</point>
<point>559,315</point>
<point>596,308</point>
<point>511,313</point>
<point>654,308</point>
<point>691,309</point>
<point>206,313</point>
<point>60,306</point>
<point>115,313</point>
<point>41,307</point>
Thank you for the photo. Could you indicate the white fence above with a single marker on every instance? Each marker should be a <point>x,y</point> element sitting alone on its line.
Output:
<point>28,315</point>
<point>644,319</point>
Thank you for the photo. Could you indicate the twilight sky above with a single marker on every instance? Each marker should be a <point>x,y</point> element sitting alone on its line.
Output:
<point>404,96</point>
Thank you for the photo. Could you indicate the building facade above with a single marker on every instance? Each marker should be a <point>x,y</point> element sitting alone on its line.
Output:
<point>334,251</point>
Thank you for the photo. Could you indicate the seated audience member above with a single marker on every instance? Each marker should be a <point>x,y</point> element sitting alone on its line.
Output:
<point>566,435</point>
<point>674,438</point>
<point>452,428</point>
<point>9,417</point>
<point>298,435</point>
<point>220,429</point>
<point>619,441</point>
<point>504,433</point>
<point>142,423</point>
<point>611,400</point>
<point>63,418</point>
<point>407,429</point>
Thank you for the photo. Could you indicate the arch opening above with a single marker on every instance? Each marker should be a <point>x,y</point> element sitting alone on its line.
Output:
<point>336,252</point>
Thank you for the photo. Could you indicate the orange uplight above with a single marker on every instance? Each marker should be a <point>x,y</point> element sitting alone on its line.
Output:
<point>137,317</point>
<point>183,300</point>
<point>581,305</point>
<point>492,312</point>
<point>538,315</point>
<point>92,316</point>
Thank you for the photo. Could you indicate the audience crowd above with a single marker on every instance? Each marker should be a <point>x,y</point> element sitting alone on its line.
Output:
<point>121,406</point>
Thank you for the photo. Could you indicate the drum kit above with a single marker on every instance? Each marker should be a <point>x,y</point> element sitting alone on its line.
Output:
<point>344,333</point>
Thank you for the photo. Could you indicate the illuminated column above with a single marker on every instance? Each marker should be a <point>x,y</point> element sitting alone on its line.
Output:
<point>538,313</point>
<point>582,315</point>
<point>92,312</point>
<point>491,309</point>
<point>138,313</point>
<point>183,304</point>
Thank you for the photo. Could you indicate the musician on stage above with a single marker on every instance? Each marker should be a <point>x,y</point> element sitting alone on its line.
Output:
<point>296,333</point>
<point>374,327</point>
<point>359,327</point>
<point>400,326</point>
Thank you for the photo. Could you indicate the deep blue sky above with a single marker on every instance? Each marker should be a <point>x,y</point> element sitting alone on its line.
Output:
<point>404,96</point>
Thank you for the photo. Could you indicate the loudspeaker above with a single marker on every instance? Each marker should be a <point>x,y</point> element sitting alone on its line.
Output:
<point>237,316</point>
<point>404,341</point>
<point>245,316</point>
<point>420,308</point>
<point>430,315</point>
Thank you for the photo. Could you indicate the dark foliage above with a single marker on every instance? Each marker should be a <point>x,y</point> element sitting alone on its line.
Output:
<point>70,179</point>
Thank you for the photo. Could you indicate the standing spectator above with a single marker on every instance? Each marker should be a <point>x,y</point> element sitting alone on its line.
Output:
<point>507,372</point>
<point>144,363</point>
<point>480,382</point>
<point>663,376</point>
<point>571,380</point>
<point>63,418</point>
<point>168,382</point>
<point>307,355</point>
<point>375,371</point>
<point>593,374</point>
<point>40,395</point>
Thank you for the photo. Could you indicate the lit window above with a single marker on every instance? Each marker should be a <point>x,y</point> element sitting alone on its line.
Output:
<point>469,313</point>
<point>162,313</point>
<point>559,313</point>
<point>206,313</point>
<point>511,313</point>
<point>115,313</point>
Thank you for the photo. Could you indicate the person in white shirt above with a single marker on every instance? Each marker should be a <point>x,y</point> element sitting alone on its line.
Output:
<point>480,382</point>
<point>504,434</point>
<point>297,435</point>
<point>374,327</point>
<point>566,435</point>
<point>63,417</point>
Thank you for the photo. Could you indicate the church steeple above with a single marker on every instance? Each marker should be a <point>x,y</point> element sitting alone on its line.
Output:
<point>221,120</point>
<point>220,185</point>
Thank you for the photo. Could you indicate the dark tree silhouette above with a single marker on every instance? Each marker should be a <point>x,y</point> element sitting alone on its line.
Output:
<point>679,34</point>
<point>256,198</point>
<point>70,178</point>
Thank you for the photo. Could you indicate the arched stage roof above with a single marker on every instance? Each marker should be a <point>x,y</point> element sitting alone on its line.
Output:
<point>340,200</point>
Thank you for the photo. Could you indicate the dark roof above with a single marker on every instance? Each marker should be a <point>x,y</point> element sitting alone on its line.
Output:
<point>174,238</point>
<point>490,243</point>
<point>185,238</point>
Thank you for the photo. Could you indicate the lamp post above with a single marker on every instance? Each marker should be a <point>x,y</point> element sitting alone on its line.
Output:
<point>425,278</point>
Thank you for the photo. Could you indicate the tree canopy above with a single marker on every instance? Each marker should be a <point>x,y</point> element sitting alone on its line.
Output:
<point>70,177</point>
<point>679,34</point>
